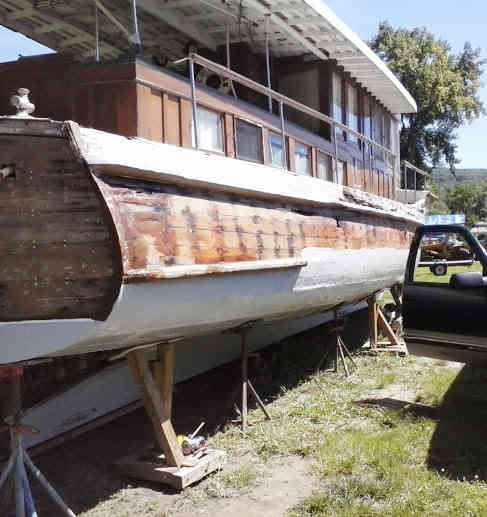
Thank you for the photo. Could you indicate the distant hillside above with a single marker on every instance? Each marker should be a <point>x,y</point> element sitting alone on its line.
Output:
<point>443,176</point>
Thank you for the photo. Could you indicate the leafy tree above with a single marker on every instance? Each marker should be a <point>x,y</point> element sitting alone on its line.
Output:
<point>469,199</point>
<point>445,86</point>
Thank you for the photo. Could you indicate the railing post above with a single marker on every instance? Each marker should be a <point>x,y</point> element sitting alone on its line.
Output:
<point>193,100</point>
<point>335,150</point>
<point>267,61</point>
<point>97,35</point>
<point>283,134</point>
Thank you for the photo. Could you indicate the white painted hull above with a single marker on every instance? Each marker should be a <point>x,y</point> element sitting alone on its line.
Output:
<point>113,388</point>
<point>189,307</point>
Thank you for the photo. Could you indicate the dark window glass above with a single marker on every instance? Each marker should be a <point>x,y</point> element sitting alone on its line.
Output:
<point>249,141</point>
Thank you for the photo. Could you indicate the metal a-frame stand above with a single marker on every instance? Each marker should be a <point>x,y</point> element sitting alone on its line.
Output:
<point>337,350</point>
<point>247,385</point>
<point>19,458</point>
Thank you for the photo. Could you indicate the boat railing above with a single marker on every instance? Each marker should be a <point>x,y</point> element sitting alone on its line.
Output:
<point>405,166</point>
<point>281,100</point>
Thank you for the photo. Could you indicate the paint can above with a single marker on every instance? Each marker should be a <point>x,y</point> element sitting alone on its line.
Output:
<point>190,445</point>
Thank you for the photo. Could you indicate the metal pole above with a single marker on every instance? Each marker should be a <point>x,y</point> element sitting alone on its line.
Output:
<point>267,61</point>
<point>97,35</point>
<point>228,57</point>
<point>45,483</point>
<point>193,100</point>
<point>415,186</point>
<point>244,378</point>
<point>8,468</point>
<point>136,35</point>
<point>283,135</point>
<point>335,150</point>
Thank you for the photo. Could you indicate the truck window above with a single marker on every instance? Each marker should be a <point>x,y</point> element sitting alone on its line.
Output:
<point>440,255</point>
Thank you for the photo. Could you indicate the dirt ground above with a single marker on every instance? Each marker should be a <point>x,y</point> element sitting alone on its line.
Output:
<point>83,470</point>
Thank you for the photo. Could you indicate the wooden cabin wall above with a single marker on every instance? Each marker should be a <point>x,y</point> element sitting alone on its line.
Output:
<point>48,77</point>
<point>135,99</point>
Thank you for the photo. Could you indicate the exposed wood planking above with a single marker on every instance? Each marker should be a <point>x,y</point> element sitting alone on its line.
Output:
<point>58,258</point>
<point>166,226</point>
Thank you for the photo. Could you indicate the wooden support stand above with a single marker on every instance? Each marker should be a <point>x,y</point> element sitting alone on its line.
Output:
<point>378,320</point>
<point>247,385</point>
<point>156,391</point>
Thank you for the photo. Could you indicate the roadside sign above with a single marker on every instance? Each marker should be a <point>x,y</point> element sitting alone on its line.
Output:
<point>445,219</point>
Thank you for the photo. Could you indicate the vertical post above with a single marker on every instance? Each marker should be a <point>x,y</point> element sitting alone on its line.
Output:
<point>164,376</point>
<point>267,61</point>
<point>16,445</point>
<point>373,315</point>
<point>97,35</point>
<point>136,34</point>
<point>245,352</point>
<point>193,100</point>
<point>415,186</point>
<point>335,151</point>
<point>228,55</point>
<point>154,405</point>
<point>283,134</point>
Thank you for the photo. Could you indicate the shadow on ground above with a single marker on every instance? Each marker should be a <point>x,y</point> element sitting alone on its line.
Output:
<point>458,448</point>
<point>83,471</point>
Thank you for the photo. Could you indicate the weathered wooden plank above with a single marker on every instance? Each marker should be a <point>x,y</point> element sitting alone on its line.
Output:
<point>154,405</point>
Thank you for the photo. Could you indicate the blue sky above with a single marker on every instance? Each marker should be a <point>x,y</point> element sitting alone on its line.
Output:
<point>453,20</point>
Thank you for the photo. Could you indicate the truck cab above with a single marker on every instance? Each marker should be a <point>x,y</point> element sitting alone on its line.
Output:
<point>445,296</point>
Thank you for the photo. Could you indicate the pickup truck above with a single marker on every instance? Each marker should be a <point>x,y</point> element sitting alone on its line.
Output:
<point>445,316</point>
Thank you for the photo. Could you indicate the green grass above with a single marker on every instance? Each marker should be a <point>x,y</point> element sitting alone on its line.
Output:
<point>371,460</point>
<point>423,274</point>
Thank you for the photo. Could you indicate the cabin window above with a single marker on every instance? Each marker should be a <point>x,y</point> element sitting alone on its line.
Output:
<point>302,159</point>
<point>352,111</point>
<point>324,166</point>
<point>210,130</point>
<point>378,129</point>
<point>276,150</point>
<point>249,141</point>
<point>341,172</point>
<point>338,102</point>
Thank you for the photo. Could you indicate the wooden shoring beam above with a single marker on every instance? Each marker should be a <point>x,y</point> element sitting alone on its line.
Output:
<point>373,315</point>
<point>164,375</point>
<point>156,406</point>
<point>387,328</point>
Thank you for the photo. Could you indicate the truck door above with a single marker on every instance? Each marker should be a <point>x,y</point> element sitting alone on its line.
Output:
<point>445,295</point>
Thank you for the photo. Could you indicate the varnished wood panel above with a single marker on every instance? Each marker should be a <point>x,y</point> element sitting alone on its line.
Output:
<point>149,113</point>
<point>167,225</point>
<point>172,127</point>
<point>58,256</point>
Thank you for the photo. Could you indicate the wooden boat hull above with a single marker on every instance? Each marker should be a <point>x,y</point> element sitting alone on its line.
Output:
<point>122,242</point>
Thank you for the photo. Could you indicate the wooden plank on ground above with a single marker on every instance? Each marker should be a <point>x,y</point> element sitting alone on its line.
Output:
<point>153,469</point>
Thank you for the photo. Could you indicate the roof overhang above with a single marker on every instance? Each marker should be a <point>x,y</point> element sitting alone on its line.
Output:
<point>362,63</point>
<point>292,28</point>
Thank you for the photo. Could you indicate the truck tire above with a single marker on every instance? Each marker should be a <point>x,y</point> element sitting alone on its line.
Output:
<point>439,269</point>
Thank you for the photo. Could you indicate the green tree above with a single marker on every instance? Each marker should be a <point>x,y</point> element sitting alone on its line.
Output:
<point>445,86</point>
<point>470,199</point>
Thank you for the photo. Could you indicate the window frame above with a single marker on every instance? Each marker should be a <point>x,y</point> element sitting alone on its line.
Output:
<point>250,123</point>
<point>310,158</point>
<point>222,131</point>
